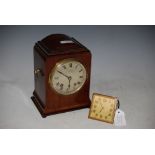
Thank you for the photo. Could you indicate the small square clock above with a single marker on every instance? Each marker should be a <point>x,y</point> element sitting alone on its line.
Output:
<point>103,108</point>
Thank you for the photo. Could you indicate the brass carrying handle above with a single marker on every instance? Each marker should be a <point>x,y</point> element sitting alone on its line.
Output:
<point>38,72</point>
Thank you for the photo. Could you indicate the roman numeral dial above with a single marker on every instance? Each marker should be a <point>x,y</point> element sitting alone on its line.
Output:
<point>67,77</point>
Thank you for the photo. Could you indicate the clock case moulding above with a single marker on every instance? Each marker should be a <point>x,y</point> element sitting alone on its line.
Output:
<point>47,53</point>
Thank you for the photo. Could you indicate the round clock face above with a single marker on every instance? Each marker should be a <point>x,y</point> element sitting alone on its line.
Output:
<point>67,77</point>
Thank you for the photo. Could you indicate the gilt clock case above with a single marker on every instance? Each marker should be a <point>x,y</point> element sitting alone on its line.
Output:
<point>47,53</point>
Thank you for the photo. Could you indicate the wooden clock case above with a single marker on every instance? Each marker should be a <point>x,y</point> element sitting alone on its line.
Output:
<point>47,53</point>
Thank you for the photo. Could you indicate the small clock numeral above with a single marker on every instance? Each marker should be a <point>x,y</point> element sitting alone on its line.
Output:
<point>70,65</point>
<point>80,76</point>
<point>67,89</point>
<point>57,83</point>
<point>80,70</point>
<point>78,82</point>
<point>56,78</point>
<point>110,110</point>
<point>64,66</point>
<point>111,105</point>
<point>61,86</point>
<point>96,101</point>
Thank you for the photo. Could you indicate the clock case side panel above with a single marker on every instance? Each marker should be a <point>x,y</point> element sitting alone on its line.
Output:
<point>57,103</point>
<point>39,93</point>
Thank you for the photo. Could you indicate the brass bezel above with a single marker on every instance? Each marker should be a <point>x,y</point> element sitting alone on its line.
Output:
<point>54,69</point>
<point>111,97</point>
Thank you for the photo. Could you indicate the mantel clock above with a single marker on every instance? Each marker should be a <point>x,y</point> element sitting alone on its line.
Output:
<point>62,69</point>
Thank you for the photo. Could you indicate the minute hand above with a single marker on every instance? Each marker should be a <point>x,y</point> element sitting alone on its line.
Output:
<point>63,74</point>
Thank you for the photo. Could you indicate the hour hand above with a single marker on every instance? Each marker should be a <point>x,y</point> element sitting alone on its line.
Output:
<point>101,107</point>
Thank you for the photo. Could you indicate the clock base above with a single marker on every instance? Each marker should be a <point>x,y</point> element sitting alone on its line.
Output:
<point>38,106</point>
<point>45,114</point>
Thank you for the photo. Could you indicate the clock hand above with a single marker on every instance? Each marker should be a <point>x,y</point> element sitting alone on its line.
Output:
<point>101,107</point>
<point>68,77</point>
<point>63,74</point>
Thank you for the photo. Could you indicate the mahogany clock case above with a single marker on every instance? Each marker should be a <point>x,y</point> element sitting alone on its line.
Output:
<point>47,53</point>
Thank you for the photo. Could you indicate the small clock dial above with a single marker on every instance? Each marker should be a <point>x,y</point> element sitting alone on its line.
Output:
<point>68,77</point>
<point>103,108</point>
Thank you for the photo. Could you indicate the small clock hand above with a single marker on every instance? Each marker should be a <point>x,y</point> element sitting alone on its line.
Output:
<point>101,107</point>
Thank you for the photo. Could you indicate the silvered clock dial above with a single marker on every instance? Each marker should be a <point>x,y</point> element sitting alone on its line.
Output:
<point>67,77</point>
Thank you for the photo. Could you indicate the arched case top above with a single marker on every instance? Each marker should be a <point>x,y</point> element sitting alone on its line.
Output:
<point>60,44</point>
